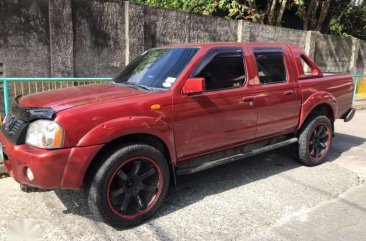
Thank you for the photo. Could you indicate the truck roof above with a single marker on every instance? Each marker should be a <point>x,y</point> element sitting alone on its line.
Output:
<point>227,44</point>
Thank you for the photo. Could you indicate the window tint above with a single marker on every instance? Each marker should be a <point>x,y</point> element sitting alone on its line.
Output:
<point>270,64</point>
<point>225,70</point>
<point>157,68</point>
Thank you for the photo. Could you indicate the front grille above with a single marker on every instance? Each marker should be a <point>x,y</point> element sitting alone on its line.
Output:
<point>14,128</point>
<point>17,120</point>
<point>12,124</point>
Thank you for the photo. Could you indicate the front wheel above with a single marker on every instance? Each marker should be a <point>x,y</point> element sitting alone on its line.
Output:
<point>130,185</point>
<point>315,140</point>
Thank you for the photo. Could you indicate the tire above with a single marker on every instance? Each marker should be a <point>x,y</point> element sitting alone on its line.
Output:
<point>315,140</point>
<point>129,186</point>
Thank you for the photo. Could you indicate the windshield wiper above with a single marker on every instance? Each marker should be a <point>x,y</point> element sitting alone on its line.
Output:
<point>134,85</point>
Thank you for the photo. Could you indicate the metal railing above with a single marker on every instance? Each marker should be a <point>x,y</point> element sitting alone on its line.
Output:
<point>13,87</point>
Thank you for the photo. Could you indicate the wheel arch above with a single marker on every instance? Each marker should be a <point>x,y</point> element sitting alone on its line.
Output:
<point>320,109</point>
<point>322,103</point>
<point>111,146</point>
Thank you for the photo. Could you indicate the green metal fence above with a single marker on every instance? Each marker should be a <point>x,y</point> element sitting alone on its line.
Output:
<point>13,87</point>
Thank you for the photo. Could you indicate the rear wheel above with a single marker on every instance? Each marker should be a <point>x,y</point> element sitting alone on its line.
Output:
<point>315,140</point>
<point>130,185</point>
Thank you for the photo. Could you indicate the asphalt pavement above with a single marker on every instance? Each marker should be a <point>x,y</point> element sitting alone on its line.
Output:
<point>267,197</point>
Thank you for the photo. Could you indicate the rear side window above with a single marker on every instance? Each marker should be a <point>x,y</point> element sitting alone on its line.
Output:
<point>271,65</point>
<point>224,70</point>
<point>305,67</point>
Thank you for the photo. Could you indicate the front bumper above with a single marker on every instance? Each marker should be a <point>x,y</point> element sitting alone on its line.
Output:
<point>52,169</point>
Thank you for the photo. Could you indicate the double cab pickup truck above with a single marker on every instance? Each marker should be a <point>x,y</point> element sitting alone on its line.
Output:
<point>173,110</point>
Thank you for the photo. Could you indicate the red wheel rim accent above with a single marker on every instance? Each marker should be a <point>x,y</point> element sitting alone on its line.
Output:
<point>152,200</point>
<point>319,142</point>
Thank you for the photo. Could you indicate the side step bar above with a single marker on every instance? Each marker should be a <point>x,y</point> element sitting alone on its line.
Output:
<point>236,157</point>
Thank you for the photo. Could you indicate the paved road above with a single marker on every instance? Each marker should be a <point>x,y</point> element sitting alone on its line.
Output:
<point>268,197</point>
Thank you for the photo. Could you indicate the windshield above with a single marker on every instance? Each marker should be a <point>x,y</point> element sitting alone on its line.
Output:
<point>156,68</point>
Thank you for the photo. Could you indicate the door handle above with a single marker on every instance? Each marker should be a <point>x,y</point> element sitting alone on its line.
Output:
<point>289,92</point>
<point>248,98</point>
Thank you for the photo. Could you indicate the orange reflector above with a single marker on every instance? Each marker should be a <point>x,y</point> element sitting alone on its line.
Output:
<point>155,107</point>
<point>57,142</point>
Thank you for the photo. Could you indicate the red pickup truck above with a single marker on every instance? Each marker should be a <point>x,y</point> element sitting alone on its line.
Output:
<point>173,110</point>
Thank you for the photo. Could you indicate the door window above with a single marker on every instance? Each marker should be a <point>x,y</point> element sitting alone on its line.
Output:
<point>224,70</point>
<point>271,65</point>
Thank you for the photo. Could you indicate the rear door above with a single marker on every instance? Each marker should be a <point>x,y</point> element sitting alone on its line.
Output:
<point>277,97</point>
<point>219,117</point>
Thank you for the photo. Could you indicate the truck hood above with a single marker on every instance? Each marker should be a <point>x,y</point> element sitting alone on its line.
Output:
<point>62,99</point>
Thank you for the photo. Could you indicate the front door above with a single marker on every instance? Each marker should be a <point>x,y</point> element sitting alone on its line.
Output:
<point>221,116</point>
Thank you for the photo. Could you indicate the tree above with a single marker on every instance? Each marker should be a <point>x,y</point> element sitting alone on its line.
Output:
<point>271,16</point>
<point>349,19</point>
<point>280,14</point>
<point>323,14</point>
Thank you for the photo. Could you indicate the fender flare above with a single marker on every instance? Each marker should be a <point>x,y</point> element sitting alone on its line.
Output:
<point>314,100</point>
<point>119,127</point>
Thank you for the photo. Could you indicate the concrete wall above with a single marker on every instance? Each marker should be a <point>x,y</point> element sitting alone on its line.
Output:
<point>265,33</point>
<point>331,53</point>
<point>61,39</point>
<point>90,38</point>
<point>24,38</point>
<point>360,62</point>
<point>163,26</point>
<point>99,30</point>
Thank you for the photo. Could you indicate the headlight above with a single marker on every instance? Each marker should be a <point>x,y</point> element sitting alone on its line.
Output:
<point>45,134</point>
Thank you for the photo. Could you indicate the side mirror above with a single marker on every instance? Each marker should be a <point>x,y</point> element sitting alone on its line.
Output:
<point>194,86</point>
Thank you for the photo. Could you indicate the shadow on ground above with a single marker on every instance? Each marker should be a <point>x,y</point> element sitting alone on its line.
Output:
<point>195,187</point>
<point>343,143</point>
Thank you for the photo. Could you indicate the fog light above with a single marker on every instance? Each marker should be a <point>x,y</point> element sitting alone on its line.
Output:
<point>29,174</point>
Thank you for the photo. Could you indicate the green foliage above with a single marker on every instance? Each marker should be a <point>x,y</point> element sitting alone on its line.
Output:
<point>234,8</point>
<point>196,6</point>
<point>351,21</point>
<point>252,10</point>
<point>337,28</point>
<point>300,6</point>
